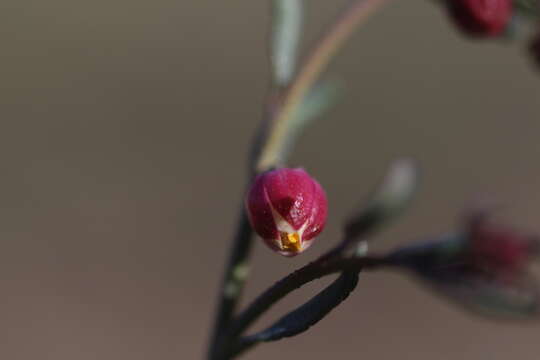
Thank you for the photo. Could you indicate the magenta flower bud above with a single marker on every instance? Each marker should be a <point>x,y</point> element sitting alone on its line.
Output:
<point>484,268</point>
<point>482,18</point>
<point>287,208</point>
<point>499,248</point>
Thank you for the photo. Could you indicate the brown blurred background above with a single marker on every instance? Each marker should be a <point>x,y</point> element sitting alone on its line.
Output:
<point>123,136</point>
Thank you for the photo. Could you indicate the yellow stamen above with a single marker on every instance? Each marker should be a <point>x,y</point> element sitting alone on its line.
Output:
<point>290,242</point>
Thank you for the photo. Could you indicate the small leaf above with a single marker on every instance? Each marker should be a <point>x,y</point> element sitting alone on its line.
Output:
<point>398,186</point>
<point>318,101</point>
<point>286,31</point>
<point>308,314</point>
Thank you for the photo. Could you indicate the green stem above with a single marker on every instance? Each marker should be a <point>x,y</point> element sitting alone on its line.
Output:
<point>355,14</point>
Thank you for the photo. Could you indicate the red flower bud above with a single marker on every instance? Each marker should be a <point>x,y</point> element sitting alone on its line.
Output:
<point>500,248</point>
<point>481,17</point>
<point>287,208</point>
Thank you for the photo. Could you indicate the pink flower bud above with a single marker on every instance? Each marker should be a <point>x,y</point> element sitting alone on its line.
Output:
<point>287,208</point>
<point>481,17</point>
<point>498,247</point>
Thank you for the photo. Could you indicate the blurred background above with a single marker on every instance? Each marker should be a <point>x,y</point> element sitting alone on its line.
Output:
<point>123,136</point>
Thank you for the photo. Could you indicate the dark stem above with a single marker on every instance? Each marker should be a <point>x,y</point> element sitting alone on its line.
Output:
<point>233,282</point>
<point>236,270</point>
<point>291,282</point>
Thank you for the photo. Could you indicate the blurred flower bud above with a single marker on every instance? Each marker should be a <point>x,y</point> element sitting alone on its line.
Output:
<point>498,248</point>
<point>287,208</point>
<point>483,268</point>
<point>481,18</point>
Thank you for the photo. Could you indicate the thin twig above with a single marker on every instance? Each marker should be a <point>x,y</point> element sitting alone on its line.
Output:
<point>353,16</point>
<point>295,280</point>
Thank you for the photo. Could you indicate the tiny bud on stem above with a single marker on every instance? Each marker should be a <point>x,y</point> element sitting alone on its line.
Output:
<point>287,208</point>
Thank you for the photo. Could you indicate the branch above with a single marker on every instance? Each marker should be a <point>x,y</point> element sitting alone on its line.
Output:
<point>270,148</point>
<point>304,316</point>
<point>297,279</point>
<point>352,17</point>
<point>233,281</point>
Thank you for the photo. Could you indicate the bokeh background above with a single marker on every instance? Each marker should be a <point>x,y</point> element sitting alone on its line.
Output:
<point>123,136</point>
